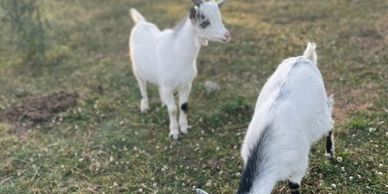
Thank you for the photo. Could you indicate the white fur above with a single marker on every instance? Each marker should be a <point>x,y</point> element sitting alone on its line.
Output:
<point>200,191</point>
<point>168,58</point>
<point>297,119</point>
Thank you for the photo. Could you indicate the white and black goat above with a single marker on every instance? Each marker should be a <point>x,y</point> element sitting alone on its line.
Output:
<point>292,112</point>
<point>168,58</point>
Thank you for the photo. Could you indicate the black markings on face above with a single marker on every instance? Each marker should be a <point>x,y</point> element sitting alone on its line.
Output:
<point>196,16</point>
<point>185,107</point>
<point>193,12</point>
<point>205,24</point>
<point>329,143</point>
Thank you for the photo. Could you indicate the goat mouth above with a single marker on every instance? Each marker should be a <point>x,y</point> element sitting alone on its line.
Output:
<point>225,39</point>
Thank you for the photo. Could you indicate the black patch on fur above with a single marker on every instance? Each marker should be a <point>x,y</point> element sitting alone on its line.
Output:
<point>193,13</point>
<point>185,107</point>
<point>196,16</point>
<point>293,185</point>
<point>205,24</point>
<point>254,166</point>
<point>329,143</point>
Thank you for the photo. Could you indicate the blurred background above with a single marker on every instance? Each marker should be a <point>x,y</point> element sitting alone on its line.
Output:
<point>69,104</point>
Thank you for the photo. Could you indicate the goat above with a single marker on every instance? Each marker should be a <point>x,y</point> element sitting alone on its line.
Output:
<point>292,112</point>
<point>168,58</point>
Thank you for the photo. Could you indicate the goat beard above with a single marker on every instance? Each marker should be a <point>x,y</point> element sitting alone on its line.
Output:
<point>202,42</point>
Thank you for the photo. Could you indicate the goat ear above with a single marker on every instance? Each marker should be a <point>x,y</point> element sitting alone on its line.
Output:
<point>193,15</point>
<point>221,3</point>
<point>197,2</point>
<point>200,191</point>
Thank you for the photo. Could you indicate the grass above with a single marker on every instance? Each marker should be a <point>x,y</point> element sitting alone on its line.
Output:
<point>106,146</point>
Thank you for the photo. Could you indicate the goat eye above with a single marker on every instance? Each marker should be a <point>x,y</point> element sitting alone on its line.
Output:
<point>205,24</point>
<point>202,17</point>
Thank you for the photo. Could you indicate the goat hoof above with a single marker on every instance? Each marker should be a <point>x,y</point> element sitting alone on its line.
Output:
<point>329,155</point>
<point>184,130</point>
<point>144,106</point>
<point>144,110</point>
<point>174,135</point>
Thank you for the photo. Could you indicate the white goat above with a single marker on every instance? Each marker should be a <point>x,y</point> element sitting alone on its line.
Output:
<point>292,112</point>
<point>168,58</point>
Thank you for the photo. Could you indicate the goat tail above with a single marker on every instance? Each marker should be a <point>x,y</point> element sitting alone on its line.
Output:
<point>136,16</point>
<point>310,52</point>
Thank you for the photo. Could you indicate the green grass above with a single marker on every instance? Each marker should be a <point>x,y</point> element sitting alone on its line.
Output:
<point>106,145</point>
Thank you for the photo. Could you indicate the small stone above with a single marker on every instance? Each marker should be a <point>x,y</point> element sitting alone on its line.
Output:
<point>333,185</point>
<point>339,159</point>
<point>209,183</point>
<point>165,167</point>
<point>350,178</point>
<point>211,87</point>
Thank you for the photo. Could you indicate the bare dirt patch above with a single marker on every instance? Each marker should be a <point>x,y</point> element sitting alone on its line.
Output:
<point>39,109</point>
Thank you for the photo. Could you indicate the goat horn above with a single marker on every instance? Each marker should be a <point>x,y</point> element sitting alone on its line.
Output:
<point>197,2</point>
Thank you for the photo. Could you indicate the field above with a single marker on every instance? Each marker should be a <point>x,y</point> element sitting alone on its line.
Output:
<point>99,142</point>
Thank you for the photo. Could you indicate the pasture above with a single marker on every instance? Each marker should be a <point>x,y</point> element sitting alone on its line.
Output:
<point>97,141</point>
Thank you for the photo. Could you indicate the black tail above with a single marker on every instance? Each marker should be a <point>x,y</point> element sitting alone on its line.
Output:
<point>256,159</point>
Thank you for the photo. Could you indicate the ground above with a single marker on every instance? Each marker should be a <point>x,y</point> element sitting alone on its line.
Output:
<point>103,144</point>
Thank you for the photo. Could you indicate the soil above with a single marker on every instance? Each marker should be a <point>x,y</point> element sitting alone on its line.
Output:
<point>39,109</point>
